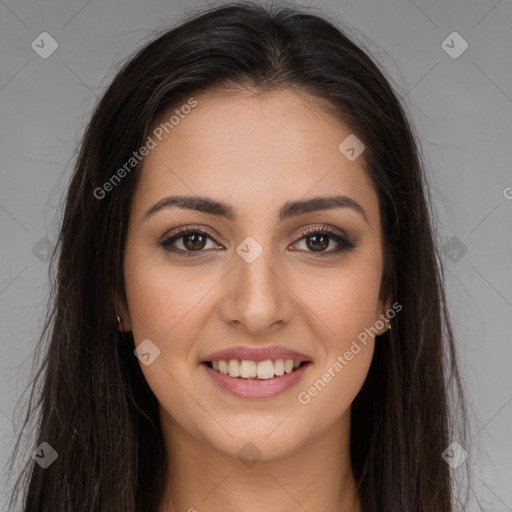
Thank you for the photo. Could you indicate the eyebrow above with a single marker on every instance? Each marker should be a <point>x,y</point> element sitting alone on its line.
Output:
<point>289,209</point>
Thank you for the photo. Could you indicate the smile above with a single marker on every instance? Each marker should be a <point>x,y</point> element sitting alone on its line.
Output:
<point>246,369</point>
<point>255,379</point>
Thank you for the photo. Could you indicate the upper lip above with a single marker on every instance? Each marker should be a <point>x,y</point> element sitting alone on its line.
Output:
<point>256,354</point>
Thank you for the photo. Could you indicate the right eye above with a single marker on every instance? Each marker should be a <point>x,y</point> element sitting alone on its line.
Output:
<point>193,241</point>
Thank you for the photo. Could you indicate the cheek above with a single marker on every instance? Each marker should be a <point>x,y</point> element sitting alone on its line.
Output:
<point>346,300</point>
<point>167,306</point>
<point>347,307</point>
<point>330,390</point>
<point>163,301</point>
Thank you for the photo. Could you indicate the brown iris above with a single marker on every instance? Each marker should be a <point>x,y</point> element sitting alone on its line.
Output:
<point>194,241</point>
<point>314,246</point>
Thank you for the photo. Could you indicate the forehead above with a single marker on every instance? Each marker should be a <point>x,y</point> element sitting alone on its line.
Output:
<point>255,150</point>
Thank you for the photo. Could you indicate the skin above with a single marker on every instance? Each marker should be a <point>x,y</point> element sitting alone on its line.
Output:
<point>255,152</point>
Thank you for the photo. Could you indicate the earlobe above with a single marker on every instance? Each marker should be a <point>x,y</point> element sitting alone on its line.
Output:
<point>122,319</point>
<point>384,321</point>
<point>119,324</point>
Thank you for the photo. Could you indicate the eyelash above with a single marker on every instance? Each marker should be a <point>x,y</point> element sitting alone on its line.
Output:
<point>343,242</point>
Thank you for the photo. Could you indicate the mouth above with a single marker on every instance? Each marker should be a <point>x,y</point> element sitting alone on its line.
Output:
<point>248,379</point>
<point>259,370</point>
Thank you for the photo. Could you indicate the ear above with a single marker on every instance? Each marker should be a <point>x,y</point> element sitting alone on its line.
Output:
<point>382,320</point>
<point>121,310</point>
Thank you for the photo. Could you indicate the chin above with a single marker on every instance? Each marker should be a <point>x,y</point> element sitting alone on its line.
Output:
<point>259,442</point>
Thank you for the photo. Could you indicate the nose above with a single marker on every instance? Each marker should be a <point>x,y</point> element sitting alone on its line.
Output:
<point>256,297</point>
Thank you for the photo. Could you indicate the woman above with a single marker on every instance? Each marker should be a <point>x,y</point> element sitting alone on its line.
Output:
<point>248,310</point>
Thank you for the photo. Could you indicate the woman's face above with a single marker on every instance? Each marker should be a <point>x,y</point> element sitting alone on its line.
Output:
<point>248,282</point>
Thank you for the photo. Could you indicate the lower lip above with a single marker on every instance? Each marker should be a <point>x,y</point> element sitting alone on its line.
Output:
<point>256,388</point>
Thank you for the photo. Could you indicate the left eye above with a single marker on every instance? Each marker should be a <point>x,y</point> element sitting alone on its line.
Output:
<point>321,239</point>
<point>195,240</point>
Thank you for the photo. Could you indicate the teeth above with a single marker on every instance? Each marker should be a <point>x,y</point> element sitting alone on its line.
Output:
<point>288,366</point>
<point>234,368</point>
<point>252,369</point>
<point>265,369</point>
<point>223,367</point>
<point>279,367</point>
<point>247,369</point>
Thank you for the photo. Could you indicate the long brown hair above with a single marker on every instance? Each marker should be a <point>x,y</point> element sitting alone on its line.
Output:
<point>89,399</point>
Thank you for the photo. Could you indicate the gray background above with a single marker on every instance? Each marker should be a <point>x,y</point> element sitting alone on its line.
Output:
<point>462,109</point>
